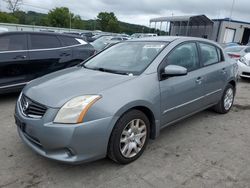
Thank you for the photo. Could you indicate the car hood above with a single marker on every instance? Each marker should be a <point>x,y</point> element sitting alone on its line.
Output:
<point>56,89</point>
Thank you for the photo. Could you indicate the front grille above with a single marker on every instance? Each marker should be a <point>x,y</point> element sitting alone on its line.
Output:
<point>31,108</point>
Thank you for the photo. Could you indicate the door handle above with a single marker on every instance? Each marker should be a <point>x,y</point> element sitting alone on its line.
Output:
<point>64,54</point>
<point>20,57</point>
<point>199,80</point>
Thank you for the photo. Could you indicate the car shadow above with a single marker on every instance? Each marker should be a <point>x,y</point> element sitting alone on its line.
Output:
<point>9,97</point>
<point>152,145</point>
<point>244,80</point>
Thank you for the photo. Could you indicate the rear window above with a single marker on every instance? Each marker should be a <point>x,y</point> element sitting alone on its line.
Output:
<point>68,41</point>
<point>13,42</point>
<point>234,49</point>
<point>44,41</point>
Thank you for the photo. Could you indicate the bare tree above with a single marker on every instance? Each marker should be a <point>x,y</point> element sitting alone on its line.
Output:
<point>13,5</point>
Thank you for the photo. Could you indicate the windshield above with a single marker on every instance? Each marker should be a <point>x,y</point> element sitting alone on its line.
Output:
<point>127,58</point>
<point>234,49</point>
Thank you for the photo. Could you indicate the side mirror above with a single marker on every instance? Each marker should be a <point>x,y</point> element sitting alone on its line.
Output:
<point>174,70</point>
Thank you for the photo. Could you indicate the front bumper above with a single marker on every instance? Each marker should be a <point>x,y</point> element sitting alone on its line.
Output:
<point>65,143</point>
<point>243,70</point>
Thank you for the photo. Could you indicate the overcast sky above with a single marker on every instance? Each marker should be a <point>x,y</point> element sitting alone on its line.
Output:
<point>140,11</point>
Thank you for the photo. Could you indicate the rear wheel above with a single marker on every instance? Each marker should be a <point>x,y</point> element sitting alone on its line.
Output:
<point>129,137</point>
<point>226,101</point>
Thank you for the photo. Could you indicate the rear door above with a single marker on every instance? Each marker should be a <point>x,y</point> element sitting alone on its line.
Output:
<point>46,54</point>
<point>214,70</point>
<point>80,49</point>
<point>182,95</point>
<point>13,60</point>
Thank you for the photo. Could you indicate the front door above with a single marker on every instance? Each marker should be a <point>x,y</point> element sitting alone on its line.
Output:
<point>182,95</point>
<point>13,60</point>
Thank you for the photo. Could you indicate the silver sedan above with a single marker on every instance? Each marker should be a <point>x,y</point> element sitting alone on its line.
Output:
<point>112,104</point>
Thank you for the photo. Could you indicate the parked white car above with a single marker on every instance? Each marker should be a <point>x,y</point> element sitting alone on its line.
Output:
<point>244,66</point>
<point>237,52</point>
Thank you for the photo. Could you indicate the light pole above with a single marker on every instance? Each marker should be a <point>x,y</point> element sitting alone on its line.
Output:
<point>230,19</point>
<point>231,11</point>
<point>69,21</point>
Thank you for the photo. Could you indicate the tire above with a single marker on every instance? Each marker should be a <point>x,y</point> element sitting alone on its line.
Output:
<point>126,134</point>
<point>223,107</point>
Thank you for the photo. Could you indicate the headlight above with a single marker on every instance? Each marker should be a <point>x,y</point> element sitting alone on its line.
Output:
<point>75,110</point>
<point>245,61</point>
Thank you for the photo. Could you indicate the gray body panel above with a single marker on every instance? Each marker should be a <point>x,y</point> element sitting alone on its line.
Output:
<point>169,100</point>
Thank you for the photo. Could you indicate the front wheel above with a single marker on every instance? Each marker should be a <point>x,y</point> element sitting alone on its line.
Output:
<point>227,99</point>
<point>129,137</point>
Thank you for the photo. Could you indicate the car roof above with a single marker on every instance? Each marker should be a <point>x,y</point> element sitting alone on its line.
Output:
<point>173,38</point>
<point>37,32</point>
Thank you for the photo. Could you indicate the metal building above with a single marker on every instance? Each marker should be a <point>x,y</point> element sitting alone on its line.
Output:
<point>220,30</point>
<point>226,30</point>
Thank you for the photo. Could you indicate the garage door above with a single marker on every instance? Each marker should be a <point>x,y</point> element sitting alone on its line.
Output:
<point>229,35</point>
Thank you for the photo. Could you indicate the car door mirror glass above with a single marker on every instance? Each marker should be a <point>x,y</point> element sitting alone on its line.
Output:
<point>174,70</point>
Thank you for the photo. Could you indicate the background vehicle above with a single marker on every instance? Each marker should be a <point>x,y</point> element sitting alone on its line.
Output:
<point>86,36</point>
<point>244,66</point>
<point>106,41</point>
<point>142,35</point>
<point>237,52</point>
<point>136,35</point>
<point>25,56</point>
<point>114,102</point>
<point>230,44</point>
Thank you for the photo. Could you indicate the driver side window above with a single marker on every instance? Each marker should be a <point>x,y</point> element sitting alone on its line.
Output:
<point>185,55</point>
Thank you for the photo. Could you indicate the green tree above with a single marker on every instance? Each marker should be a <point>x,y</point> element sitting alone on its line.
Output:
<point>21,16</point>
<point>77,22</point>
<point>108,22</point>
<point>59,17</point>
<point>7,18</point>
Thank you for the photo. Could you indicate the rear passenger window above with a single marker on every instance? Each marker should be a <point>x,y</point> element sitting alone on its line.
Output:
<point>44,41</point>
<point>209,54</point>
<point>185,55</point>
<point>13,42</point>
<point>68,41</point>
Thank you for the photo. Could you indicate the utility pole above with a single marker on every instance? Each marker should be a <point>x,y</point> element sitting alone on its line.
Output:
<point>69,21</point>
<point>231,11</point>
<point>230,19</point>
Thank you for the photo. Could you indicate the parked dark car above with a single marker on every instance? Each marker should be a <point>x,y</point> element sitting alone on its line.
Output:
<point>86,36</point>
<point>25,56</point>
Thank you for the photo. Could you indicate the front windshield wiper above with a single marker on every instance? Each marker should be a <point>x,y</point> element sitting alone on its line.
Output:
<point>108,70</point>
<point>111,71</point>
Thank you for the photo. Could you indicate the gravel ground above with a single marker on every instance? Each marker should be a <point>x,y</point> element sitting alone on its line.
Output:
<point>206,150</point>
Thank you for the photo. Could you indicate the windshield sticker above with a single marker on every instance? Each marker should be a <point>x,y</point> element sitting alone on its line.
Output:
<point>157,46</point>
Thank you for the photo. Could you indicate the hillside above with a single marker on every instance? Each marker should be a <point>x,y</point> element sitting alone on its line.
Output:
<point>35,18</point>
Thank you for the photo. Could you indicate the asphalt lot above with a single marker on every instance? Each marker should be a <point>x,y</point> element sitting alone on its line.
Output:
<point>206,150</point>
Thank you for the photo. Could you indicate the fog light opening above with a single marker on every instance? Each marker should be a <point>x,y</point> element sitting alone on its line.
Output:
<point>70,152</point>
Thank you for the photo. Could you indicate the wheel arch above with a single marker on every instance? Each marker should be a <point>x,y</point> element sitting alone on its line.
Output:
<point>233,83</point>
<point>149,111</point>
